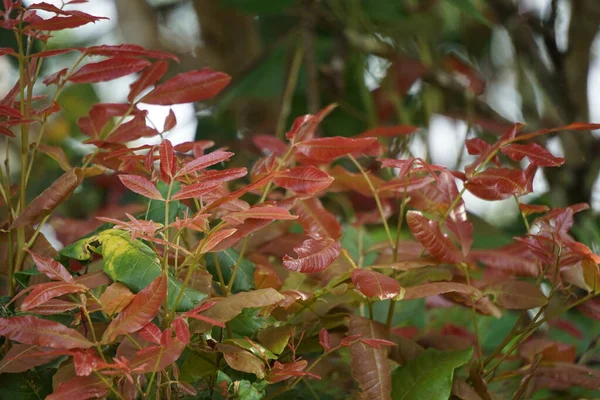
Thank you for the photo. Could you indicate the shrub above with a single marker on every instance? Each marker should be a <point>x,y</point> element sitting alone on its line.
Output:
<point>240,285</point>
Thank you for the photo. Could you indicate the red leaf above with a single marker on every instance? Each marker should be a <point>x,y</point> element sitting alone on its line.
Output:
<point>51,268</point>
<point>433,289</point>
<point>128,50</point>
<point>42,292</point>
<point>80,388</point>
<point>142,309</point>
<point>85,361</point>
<point>141,186</point>
<point>528,209</point>
<point>108,70</point>
<point>170,121</point>
<point>377,343</point>
<point>457,221</point>
<point>157,358</point>
<point>132,130</point>
<point>304,127</point>
<point>151,333</point>
<point>182,332</point>
<point>325,340</point>
<point>23,357</point>
<point>167,161</point>
<point>204,162</point>
<point>389,131</point>
<point>330,148</point>
<point>213,240</point>
<point>313,255</point>
<point>375,284</point>
<point>7,51</point>
<point>10,112</point>
<point>188,87</point>
<point>220,176</point>
<point>304,180</point>
<point>115,298</point>
<point>260,212</point>
<point>32,330</point>
<point>428,233</point>
<point>148,77</point>
<point>537,154</point>
<point>497,183</point>
<point>195,190</point>
<point>591,308</point>
<point>316,220</point>
<point>269,144</point>
<point>60,23</point>
<point>281,372</point>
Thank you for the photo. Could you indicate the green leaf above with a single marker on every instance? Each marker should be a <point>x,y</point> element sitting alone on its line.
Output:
<point>467,7</point>
<point>156,210</point>
<point>251,391</point>
<point>198,366</point>
<point>134,264</point>
<point>356,242</point>
<point>30,385</point>
<point>253,348</point>
<point>22,277</point>
<point>249,322</point>
<point>429,376</point>
<point>226,259</point>
<point>260,6</point>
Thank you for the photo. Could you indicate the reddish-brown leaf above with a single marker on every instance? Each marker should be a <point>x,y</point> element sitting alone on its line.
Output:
<point>168,163</point>
<point>182,331</point>
<point>260,212</point>
<point>281,372</point>
<point>591,308</point>
<point>433,289</point>
<point>141,186</point>
<point>42,292</point>
<point>151,333</point>
<point>10,112</point>
<point>517,295</point>
<point>132,130</point>
<point>92,280</point>
<point>108,70</point>
<point>304,180</point>
<point>86,361</point>
<point>195,190</point>
<point>369,366</point>
<point>304,127</point>
<point>513,259</point>
<point>497,183</point>
<point>80,388</point>
<point>54,306</point>
<point>157,358</point>
<point>50,198</point>
<point>29,329</point>
<point>429,234</point>
<point>313,255</point>
<point>220,176</point>
<point>316,220</point>
<point>148,77</point>
<point>457,221</point>
<point>242,360</point>
<point>389,131</point>
<point>115,298</point>
<point>550,351</point>
<point>170,121</point>
<point>325,340</point>
<point>57,154</point>
<point>188,87</point>
<point>331,148</point>
<point>204,162</point>
<point>51,268</point>
<point>23,357</point>
<point>128,50</point>
<point>537,154</point>
<point>563,376</point>
<point>142,309</point>
<point>375,284</point>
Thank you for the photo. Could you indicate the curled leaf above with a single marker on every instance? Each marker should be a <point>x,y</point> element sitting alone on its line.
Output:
<point>314,255</point>
<point>375,284</point>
